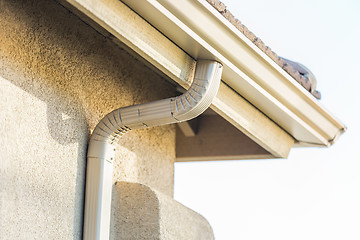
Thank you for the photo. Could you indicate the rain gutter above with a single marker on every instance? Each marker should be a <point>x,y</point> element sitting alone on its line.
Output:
<point>247,70</point>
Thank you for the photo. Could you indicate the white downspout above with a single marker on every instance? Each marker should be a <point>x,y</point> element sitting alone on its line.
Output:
<point>103,141</point>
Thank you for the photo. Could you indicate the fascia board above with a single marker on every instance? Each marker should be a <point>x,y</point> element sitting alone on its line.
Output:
<point>127,28</point>
<point>202,32</point>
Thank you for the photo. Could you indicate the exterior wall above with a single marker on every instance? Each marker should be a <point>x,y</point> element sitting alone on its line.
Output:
<point>144,213</point>
<point>58,78</point>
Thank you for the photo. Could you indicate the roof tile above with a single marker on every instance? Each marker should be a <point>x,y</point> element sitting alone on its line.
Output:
<point>221,8</point>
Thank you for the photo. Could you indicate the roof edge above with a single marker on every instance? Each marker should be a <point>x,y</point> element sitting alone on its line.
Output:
<point>247,70</point>
<point>303,81</point>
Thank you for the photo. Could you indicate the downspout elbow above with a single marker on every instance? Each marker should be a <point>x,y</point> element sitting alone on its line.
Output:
<point>103,141</point>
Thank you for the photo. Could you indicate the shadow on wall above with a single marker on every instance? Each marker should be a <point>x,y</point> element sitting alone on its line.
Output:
<point>141,212</point>
<point>66,124</point>
<point>80,75</point>
<point>135,212</point>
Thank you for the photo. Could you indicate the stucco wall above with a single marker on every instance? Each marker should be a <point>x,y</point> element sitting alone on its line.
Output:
<point>58,78</point>
<point>144,213</point>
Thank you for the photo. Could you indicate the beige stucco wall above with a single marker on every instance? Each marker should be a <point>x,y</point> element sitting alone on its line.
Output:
<point>144,213</point>
<point>58,78</point>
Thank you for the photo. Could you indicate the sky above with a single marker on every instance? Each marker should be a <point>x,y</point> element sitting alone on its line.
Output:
<point>315,193</point>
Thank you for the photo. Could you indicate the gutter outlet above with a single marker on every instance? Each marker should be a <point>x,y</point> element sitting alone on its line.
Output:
<point>104,139</point>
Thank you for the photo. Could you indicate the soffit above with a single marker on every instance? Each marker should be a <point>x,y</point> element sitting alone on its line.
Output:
<point>122,25</point>
<point>203,32</point>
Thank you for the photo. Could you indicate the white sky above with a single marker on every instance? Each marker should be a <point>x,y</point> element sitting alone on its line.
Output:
<point>315,193</point>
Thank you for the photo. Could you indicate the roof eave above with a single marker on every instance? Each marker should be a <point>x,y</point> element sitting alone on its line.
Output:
<point>119,23</point>
<point>247,70</point>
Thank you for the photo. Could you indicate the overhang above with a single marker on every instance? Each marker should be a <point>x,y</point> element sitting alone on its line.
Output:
<point>203,33</point>
<point>257,96</point>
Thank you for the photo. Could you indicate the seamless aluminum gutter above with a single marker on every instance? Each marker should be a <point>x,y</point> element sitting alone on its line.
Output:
<point>118,23</point>
<point>197,28</point>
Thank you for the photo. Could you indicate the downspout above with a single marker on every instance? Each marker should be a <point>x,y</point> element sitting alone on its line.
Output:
<point>103,141</point>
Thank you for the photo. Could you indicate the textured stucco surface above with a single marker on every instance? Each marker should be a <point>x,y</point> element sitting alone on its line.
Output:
<point>141,212</point>
<point>58,78</point>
